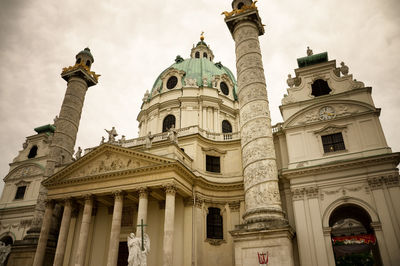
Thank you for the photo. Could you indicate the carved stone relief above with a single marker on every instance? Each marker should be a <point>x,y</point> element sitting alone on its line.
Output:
<point>107,163</point>
<point>25,172</point>
<point>259,172</point>
<point>263,194</point>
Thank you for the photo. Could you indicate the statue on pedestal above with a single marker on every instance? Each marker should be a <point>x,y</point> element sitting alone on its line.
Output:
<point>173,134</point>
<point>137,252</point>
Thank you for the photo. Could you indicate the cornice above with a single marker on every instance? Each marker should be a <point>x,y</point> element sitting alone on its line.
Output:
<point>326,98</point>
<point>342,165</point>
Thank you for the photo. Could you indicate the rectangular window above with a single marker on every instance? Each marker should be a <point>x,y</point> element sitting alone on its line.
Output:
<point>333,142</point>
<point>214,224</point>
<point>20,192</point>
<point>213,164</point>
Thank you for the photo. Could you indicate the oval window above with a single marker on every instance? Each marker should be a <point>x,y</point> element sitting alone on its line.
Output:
<point>171,83</point>
<point>224,88</point>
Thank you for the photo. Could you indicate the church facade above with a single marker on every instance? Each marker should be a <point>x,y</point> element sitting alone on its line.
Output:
<point>209,180</point>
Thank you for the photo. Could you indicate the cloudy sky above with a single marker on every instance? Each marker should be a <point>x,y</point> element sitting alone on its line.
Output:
<point>133,41</point>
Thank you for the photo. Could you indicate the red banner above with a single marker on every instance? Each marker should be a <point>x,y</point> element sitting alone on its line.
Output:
<point>348,240</point>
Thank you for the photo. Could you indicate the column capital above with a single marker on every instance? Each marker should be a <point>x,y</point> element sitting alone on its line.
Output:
<point>143,192</point>
<point>188,202</point>
<point>118,193</point>
<point>49,203</point>
<point>170,188</point>
<point>88,197</point>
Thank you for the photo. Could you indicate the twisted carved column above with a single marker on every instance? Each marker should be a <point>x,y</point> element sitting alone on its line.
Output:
<point>168,245</point>
<point>84,232</point>
<point>115,229</point>
<point>63,235</point>
<point>262,199</point>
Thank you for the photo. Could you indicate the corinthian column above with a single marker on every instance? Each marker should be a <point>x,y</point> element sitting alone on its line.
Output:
<point>168,245</point>
<point>262,199</point>
<point>142,209</point>
<point>115,229</point>
<point>63,235</point>
<point>44,234</point>
<point>84,233</point>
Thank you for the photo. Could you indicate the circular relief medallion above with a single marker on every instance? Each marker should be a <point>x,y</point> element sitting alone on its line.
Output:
<point>171,82</point>
<point>224,88</point>
<point>327,113</point>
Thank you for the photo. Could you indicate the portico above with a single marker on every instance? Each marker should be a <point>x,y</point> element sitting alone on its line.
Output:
<point>100,210</point>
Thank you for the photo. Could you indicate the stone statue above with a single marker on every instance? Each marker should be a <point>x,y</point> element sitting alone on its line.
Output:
<point>5,250</point>
<point>309,51</point>
<point>172,134</point>
<point>122,140</point>
<point>25,145</point>
<point>149,140</point>
<point>146,96</point>
<point>102,140</point>
<point>205,82</point>
<point>78,153</point>
<point>290,81</point>
<point>344,69</point>
<point>137,253</point>
<point>111,134</point>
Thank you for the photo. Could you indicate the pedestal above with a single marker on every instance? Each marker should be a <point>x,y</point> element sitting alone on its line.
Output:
<point>274,245</point>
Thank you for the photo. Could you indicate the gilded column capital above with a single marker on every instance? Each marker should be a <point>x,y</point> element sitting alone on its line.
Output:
<point>143,192</point>
<point>170,189</point>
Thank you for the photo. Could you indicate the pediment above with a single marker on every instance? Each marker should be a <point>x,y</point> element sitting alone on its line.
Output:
<point>337,109</point>
<point>106,160</point>
<point>25,171</point>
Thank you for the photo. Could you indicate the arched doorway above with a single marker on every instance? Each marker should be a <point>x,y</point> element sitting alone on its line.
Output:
<point>353,239</point>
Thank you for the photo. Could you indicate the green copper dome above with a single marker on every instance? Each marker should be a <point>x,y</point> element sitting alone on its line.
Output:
<point>198,68</point>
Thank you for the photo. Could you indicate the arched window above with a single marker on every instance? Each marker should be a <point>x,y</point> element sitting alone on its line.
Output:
<point>197,55</point>
<point>88,63</point>
<point>320,87</point>
<point>204,55</point>
<point>33,152</point>
<point>78,61</point>
<point>240,5</point>
<point>168,122</point>
<point>214,224</point>
<point>226,127</point>
<point>353,238</point>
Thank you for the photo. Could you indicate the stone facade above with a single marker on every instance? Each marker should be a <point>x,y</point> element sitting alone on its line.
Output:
<point>216,184</point>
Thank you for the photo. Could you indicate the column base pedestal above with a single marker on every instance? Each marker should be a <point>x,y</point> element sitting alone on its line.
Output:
<point>276,243</point>
<point>23,251</point>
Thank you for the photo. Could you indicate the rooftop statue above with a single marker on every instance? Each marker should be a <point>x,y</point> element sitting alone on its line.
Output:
<point>309,51</point>
<point>111,134</point>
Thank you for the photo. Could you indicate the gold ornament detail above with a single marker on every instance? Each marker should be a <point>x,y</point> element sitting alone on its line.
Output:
<point>83,67</point>
<point>239,11</point>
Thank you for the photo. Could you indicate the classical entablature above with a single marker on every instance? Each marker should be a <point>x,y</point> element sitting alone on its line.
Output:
<point>109,168</point>
<point>324,111</point>
<point>25,171</point>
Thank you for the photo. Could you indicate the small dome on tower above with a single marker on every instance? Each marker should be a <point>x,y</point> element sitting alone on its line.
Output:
<point>202,50</point>
<point>85,57</point>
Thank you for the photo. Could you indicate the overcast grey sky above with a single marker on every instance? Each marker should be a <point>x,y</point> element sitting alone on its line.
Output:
<point>133,41</point>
